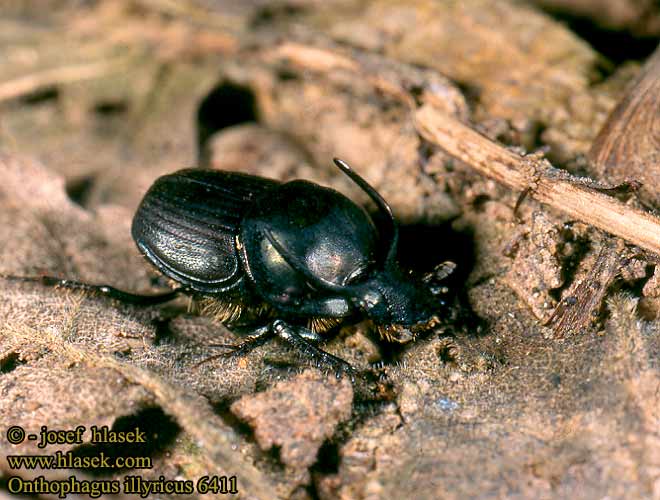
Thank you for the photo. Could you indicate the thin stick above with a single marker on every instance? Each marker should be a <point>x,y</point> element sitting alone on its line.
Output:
<point>548,185</point>
<point>625,146</point>
<point>65,74</point>
<point>556,188</point>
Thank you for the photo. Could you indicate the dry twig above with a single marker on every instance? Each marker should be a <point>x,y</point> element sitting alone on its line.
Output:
<point>571,195</point>
<point>549,185</point>
<point>56,76</point>
<point>625,146</point>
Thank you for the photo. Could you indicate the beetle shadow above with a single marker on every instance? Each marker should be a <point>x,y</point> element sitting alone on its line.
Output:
<point>421,248</point>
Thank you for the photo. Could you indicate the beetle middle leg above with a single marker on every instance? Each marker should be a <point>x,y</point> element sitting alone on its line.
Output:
<point>104,290</point>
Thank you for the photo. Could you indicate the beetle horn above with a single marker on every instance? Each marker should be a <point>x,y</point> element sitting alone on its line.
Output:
<point>380,202</point>
<point>300,266</point>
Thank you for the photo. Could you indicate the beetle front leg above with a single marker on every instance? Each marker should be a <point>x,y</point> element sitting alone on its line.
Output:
<point>105,290</point>
<point>251,332</point>
<point>294,336</point>
<point>255,337</point>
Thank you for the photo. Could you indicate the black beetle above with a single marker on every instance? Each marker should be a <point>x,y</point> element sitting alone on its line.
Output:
<point>293,258</point>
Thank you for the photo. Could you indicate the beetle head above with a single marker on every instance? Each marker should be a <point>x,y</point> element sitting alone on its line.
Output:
<point>400,308</point>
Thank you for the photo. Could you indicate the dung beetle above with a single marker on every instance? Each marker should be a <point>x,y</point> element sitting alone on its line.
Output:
<point>268,258</point>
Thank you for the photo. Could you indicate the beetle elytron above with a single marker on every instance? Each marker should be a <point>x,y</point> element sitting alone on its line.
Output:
<point>295,258</point>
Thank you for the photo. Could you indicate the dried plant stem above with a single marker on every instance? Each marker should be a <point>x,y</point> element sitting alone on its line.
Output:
<point>558,189</point>
<point>626,146</point>
<point>545,183</point>
<point>55,76</point>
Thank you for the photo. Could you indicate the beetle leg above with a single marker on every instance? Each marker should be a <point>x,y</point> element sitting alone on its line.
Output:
<point>250,331</point>
<point>310,336</point>
<point>105,290</point>
<point>297,337</point>
<point>293,336</point>
<point>257,338</point>
<point>254,338</point>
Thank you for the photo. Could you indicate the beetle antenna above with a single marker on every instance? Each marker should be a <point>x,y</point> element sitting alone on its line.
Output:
<point>380,202</point>
<point>299,266</point>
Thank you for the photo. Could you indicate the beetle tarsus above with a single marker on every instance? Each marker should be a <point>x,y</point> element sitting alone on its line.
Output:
<point>104,290</point>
